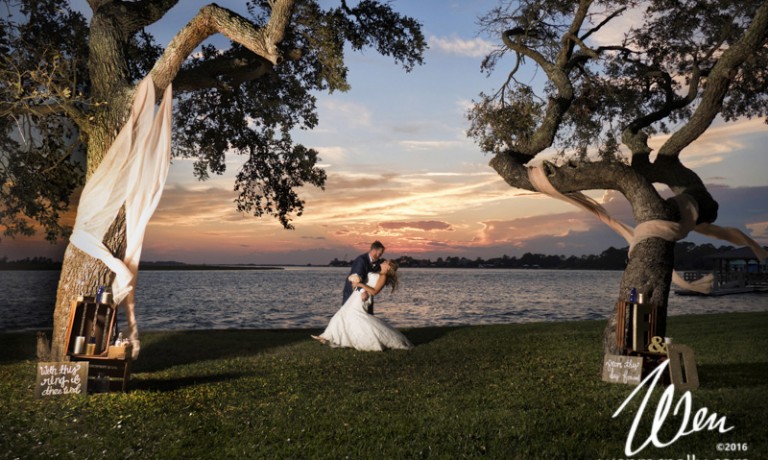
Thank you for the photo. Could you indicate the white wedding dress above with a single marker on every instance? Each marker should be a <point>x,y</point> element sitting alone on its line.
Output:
<point>353,327</point>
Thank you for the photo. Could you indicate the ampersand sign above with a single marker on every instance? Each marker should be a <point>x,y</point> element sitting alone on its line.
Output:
<point>657,345</point>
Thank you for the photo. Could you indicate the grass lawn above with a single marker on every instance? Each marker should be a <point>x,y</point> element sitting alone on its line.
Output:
<point>518,391</point>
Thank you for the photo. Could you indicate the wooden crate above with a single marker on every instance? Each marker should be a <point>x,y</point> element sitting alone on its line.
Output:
<point>636,324</point>
<point>117,372</point>
<point>89,318</point>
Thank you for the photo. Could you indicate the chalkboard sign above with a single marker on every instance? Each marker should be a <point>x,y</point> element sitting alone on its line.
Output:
<point>64,378</point>
<point>622,369</point>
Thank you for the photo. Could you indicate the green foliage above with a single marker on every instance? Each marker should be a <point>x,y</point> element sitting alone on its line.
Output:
<point>497,124</point>
<point>47,107</point>
<point>644,74</point>
<point>519,391</point>
<point>255,118</point>
<point>42,63</point>
<point>685,34</point>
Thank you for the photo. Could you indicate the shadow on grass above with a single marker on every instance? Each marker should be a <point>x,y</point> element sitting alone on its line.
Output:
<point>18,346</point>
<point>738,375</point>
<point>424,335</point>
<point>165,385</point>
<point>162,350</point>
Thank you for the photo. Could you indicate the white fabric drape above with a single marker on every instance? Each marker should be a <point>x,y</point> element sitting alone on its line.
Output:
<point>132,173</point>
<point>670,231</point>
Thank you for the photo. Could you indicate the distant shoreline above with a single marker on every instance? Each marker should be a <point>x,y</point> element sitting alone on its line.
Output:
<point>157,267</point>
<point>688,257</point>
<point>198,267</point>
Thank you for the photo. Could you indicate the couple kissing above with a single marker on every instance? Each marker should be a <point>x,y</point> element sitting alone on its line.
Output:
<point>354,325</point>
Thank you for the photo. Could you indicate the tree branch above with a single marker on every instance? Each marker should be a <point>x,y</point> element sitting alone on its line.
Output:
<point>568,41</point>
<point>238,69</point>
<point>718,83</point>
<point>605,21</point>
<point>671,103</point>
<point>146,12</point>
<point>213,19</point>
<point>7,109</point>
<point>670,171</point>
<point>583,176</point>
<point>96,4</point>
<point>557,72</point>
<point>633,137</point>
<point>516,45</point>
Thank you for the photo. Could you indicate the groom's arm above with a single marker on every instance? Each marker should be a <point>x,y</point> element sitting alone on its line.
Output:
<point>359,267</point>
<point>372,291</point>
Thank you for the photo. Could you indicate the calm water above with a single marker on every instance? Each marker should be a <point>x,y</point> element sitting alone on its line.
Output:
<point>306,297</point>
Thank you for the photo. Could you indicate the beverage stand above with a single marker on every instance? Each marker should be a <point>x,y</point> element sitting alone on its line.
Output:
<point>91,331</point>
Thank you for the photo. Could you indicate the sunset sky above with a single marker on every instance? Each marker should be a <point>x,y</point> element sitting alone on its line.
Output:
<point>401,170</point>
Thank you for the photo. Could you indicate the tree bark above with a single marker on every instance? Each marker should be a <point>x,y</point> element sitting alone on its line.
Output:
<point>81,274</point>
<point>111,24</point>
<point>649,270</point>
<point>650,265</point>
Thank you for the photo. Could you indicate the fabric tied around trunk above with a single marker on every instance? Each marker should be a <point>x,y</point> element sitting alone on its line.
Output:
<point>131,174</point>
<point>667,230</point>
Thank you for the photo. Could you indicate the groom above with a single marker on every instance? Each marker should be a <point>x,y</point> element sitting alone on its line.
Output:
<point>362,265</point>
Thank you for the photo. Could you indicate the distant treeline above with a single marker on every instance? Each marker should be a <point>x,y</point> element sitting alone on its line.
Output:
<point>688,256</point>
<point>30,263</point>
<point>44,263</point>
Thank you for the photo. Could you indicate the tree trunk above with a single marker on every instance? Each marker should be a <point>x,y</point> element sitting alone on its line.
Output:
<point>111,86</point>
<point>650,272</point>
<point>650,265</point>
<point>82,274</point>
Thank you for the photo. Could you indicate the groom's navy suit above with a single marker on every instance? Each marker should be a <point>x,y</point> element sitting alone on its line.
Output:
<point>361,266</point>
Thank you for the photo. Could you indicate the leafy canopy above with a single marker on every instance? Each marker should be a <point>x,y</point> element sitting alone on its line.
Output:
<point>648,77</point>
<point>48,110</point>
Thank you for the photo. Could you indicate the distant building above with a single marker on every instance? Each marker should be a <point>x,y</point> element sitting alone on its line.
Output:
<point>735,271</point>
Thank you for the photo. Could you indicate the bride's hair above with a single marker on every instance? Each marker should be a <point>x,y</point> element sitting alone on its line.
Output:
<point>392,275</point>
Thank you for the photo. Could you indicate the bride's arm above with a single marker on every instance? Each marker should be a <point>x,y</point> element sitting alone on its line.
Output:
<point>376,289</point>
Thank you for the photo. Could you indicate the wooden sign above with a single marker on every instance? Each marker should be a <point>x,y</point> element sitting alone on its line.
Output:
<point>622,369</point>
<point>63,378</point>
<point>682,367</point>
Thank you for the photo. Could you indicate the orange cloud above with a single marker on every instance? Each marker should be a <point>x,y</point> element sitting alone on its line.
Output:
<point>716,143</point>
<point>758,231</point>
<point>424,225</point>
<point>515,231</point>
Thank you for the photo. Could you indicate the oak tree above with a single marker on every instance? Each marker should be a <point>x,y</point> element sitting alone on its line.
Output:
<point>67,85</point>
<point>681,65</point>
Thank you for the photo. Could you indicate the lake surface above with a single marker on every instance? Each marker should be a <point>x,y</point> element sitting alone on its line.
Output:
<point>306,297</point>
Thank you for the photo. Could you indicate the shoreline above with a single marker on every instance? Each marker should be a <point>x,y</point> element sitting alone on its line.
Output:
<point>405,328</point>
<point>152,267</point>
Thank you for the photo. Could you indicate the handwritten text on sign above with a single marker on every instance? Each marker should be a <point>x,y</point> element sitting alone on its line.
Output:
<point>64,378</point>
<point>622,369</point>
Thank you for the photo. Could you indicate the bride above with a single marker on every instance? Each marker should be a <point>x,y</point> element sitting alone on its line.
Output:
<point>353,327</point>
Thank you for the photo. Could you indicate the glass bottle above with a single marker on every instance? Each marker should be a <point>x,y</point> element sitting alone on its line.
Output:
<point>91,348</point>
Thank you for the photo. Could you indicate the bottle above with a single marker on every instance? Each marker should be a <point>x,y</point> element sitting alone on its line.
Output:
<point>99,292</point>
<point>91,348</point>
<point>106,296</point>
<point>633,295</point>
<point>79,345</point>
<point>119,340</point>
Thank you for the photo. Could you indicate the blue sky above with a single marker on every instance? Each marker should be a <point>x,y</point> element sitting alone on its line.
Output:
<point>401,169</point>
